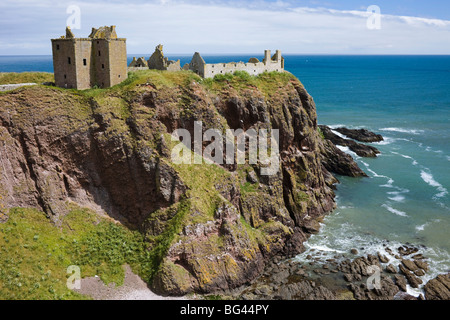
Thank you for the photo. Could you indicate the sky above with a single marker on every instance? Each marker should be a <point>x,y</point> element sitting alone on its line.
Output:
<point>234,26</point>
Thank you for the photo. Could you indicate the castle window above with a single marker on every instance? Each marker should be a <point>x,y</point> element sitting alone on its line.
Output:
<point>68,60</point>
<point>57,47</point>
<point>84,62</point>
<point>99,53</point>
<point>119,75</point>
<point>65,76</point>
<point>103,66</point>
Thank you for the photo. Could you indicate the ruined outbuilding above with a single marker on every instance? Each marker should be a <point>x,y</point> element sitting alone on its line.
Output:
<point>82,63</point>
<point>138,63</point>
<point>157,61</point>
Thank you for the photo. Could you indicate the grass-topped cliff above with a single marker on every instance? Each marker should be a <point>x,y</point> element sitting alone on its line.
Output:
<point>95,167</point>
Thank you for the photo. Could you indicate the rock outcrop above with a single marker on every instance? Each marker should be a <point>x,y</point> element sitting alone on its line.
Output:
<point>362,135</point>
<point>360,149</point>
<point>438,288</point>
<point>208,227</point>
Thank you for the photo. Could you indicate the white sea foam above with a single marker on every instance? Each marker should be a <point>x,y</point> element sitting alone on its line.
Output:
<point>389,184</point>
<point>414,162</point>
<point>422,227</point>
<point>324,248</point>
<point>365,163</point>
<point>429,179</point>
<point>402,155</point>
<point>348,151</point>
<point>335,126</point>
<point>397,212</point>
<point>402,130</point>
<point>340,135</point>
<point>386,141</point>
<point>397,198</point>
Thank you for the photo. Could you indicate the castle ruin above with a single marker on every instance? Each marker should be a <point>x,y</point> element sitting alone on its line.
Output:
<point>82,63</point>
<point>198,65</point>
<point>253,66</point>
<point>101,61</point>
<point>157,61</point>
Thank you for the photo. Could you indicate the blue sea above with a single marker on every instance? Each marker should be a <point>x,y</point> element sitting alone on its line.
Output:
<point>406,197</point>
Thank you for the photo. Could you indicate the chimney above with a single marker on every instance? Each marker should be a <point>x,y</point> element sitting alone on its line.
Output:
<point>266,56</point>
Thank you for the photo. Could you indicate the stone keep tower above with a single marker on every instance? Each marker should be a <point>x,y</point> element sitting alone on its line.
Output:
<point>82,63</point>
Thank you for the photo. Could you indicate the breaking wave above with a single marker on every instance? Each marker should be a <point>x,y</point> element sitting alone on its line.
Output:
<point>401,130</point>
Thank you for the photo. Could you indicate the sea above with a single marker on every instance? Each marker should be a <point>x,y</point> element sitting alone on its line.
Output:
<point>405,199</point>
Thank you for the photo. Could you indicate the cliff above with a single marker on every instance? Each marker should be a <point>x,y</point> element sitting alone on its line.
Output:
<point>206,227</point>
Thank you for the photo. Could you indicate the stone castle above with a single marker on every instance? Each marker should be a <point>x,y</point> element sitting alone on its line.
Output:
<point>81,63</point>
<point>101,61</point>
<point>205,70</point>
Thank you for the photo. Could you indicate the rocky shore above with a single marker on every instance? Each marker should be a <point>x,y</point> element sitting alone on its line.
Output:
<point>348,276</point>
<point>362,150</point>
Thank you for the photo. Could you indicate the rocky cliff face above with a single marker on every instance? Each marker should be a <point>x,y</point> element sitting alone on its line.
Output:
<point>208,227</point>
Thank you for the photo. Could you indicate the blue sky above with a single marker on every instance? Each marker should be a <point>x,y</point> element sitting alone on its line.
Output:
<point>235,26</point>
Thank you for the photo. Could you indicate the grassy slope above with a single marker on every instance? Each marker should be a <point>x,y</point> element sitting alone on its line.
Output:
<point>35,254</point>
<point>25,77</point>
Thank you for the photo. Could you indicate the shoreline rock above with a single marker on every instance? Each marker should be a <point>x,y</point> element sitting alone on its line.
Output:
<point>342,280</point>
<point>360,149</point>
<point>362,135</point>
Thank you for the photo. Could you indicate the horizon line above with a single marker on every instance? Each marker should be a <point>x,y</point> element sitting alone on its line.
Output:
<point>241,54</point>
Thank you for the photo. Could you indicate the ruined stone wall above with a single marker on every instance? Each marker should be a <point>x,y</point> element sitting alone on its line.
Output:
<point>100,66</point>
<point>65,73</point>
<point>83,51</point>
<point>197,64</point>
<point>252,68</point>
<point>118,70</point>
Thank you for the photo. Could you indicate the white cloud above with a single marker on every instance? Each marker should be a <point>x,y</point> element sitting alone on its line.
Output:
<point>223,27</point>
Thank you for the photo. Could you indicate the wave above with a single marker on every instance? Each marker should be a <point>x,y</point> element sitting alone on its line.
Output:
<point>324,248</point>
<point>429,179</point>
<point>414,162</point>
<point>336,126</point>
<point>340,135</point>
<point>426,224</point>
<point>397,198</point>
<point>397,212</point>
<point>348,151</point>
<point>386,141</point>
<point>401,130</point>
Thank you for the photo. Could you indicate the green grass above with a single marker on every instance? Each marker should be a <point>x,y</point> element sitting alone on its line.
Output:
<point>25,77</point>
<point>35,254</point>
<point>203,181</point>
<point>248,187</point>
<point>267,82</point>
<point>320,133</point>
<point>163,241</point>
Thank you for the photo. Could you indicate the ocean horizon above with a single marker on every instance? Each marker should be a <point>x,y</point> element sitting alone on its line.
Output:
<point>405,98</point>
